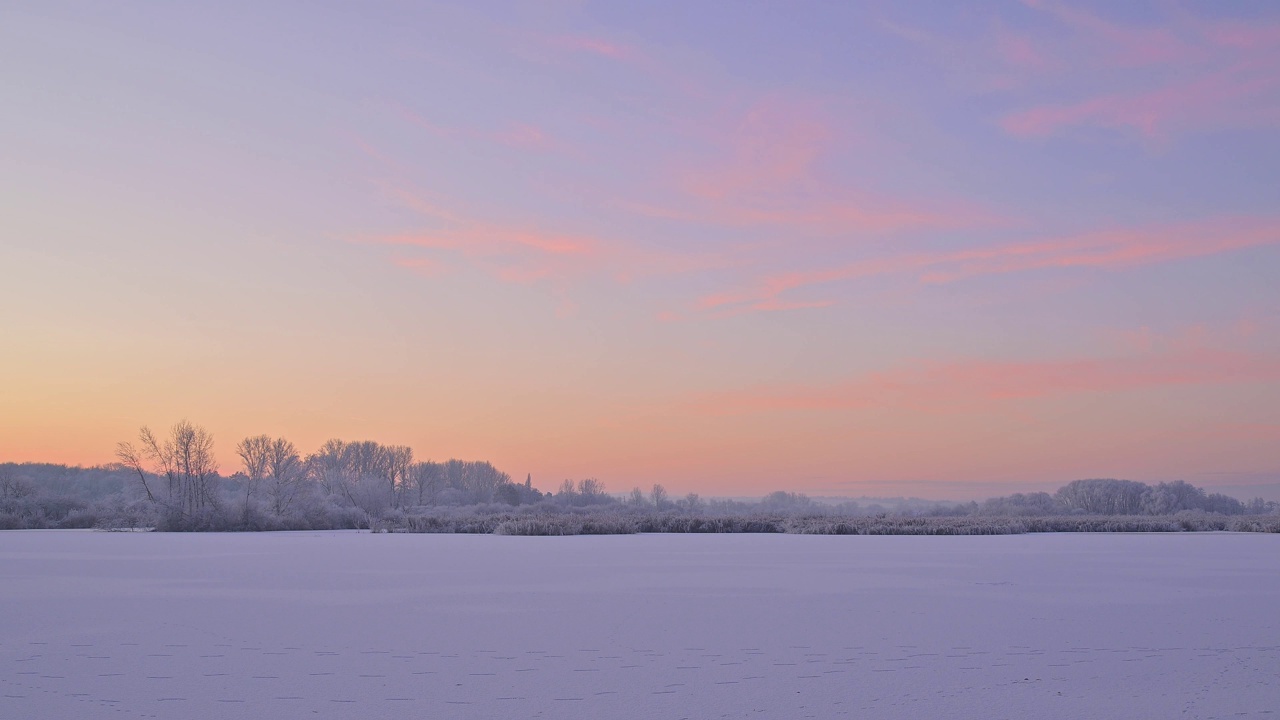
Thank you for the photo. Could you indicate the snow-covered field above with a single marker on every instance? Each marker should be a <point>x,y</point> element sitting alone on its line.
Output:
<point>354,625</point>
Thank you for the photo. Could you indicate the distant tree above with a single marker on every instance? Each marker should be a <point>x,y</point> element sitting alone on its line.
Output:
<point>528,493</point>
<point>13,487</point>
<point>426,480</point>
<point>253,453</point>
<point>329,466</point>
<point>352,474</point>
<point>783,501</point>
<point>637,497</point>
<point>185,464</point>
<point>591,490</point>
<point>1219,503</point>
<point>482,480</point>
<point>508,494</point>
<point>1171,497</point>
<point>1037,503</point>
<point>398,471</point>
<point>1258,506</point>
<point>691,503</point>
<point>91,483</point>
<point>1103,496</point>
<point>659,496</point>
<point>364,474</point>
<point>285,474</point>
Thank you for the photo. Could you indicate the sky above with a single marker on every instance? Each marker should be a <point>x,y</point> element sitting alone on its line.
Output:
<point>940,249</point>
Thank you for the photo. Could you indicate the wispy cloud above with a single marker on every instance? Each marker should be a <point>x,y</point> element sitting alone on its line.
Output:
<point>512,253</point>
<point>1106,250</point>
<point>426,267</point>
<point>593,46</point>
<point>524,253</point>
<point>1122,46</point>
<point>963,384</point>
<point>1238,96</point>
<point>517,135</point>
<point>773,145</point>
<point>1158,81</point>
<point>770,166</point>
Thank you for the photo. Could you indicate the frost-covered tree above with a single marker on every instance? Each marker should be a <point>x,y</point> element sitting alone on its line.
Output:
<point>252,452</point>
<point>1171,497</point>
<point>1258,506</point>
<point>398,473</point>
<point>1219,503</point>
<point>659,496</point>
<point>1037,503</point>
<point>286,475</point>
<point>783,501</point>
<point>364,474</point>
<point>1103,496</point>
<point>183,463</point>
<point>691,503</point>
<point>426,480</point>
<point>590,487</point>
<point>568,493</point>
<point>13,487</point>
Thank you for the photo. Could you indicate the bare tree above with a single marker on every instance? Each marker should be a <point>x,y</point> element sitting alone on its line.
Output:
<point>1171,497</point>
<point>253,452</point>
<point>13,487</point>
<point>397,467</point>
<point>426,479</point>
<point>364,474</point>
<point>343,470</point>
<point>1103,496</point>
<point>285,474</point>
<point>590,488</point>
<point>481,481</point>
<point>328,466</point>
<point>692,502</point>
<point>659,495</point>
<point>184,463</point>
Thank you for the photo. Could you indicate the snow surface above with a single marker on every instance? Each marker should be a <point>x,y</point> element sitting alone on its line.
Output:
<point>355,625</point>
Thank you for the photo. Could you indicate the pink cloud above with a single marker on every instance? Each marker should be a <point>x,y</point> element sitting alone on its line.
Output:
<point>764,168</point>
<point>1106,250</point>
<point>1110,250</point>
<point>528,137</point>
<point>593,46</point>
<point>1234,97</point>
<point>1020,51</point>
<point>854,214</point>
<point>1195,75</point>
<point>960,385</point>
<point>426,267</point>
<point>513,255</point>
<point>774,145</point>
<point>492,239</point>
<point>1123,46</point>
<point>526,253</point>
<point>1145,340</point>
<point>1245,36</point>
<point>521,136</point>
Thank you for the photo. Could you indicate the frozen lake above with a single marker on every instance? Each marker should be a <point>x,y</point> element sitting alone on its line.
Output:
<point>347,625</point>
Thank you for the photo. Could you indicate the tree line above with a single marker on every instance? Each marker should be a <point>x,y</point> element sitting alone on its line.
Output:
<point>173,482</point>
<point>341,483</point>
<point>1106,496</point>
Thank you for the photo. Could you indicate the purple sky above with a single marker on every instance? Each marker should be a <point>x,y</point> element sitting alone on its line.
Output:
<point>907,248</point>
